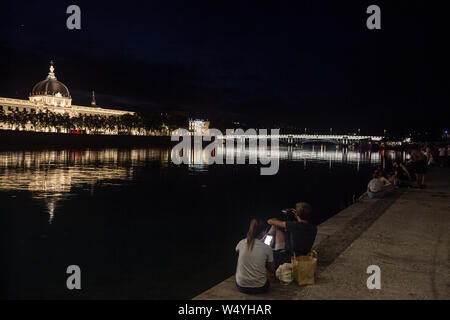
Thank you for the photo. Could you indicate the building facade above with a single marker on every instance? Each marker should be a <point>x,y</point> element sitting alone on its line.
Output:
<point>52,96</point>
<point>198,126</point>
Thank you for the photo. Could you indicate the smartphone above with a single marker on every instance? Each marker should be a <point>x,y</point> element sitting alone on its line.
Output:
<point>268,239</point>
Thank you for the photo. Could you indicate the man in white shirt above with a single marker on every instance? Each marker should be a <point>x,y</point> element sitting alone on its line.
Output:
<point>376,188</point>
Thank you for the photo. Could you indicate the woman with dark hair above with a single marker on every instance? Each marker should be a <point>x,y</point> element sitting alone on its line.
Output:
<point>401,174</point>
<point>255,259</point>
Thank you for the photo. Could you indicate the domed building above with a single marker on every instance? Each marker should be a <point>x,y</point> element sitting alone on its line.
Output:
<point>51,91</point>
<point>51,95</point>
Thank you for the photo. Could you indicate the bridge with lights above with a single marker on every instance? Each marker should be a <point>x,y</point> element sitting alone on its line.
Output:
<point>306,138</point>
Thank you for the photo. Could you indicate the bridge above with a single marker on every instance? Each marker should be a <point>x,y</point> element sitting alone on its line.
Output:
<point>305,138</point>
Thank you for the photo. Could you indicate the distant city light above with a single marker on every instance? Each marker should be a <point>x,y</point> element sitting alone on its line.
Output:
<point>198,126</point>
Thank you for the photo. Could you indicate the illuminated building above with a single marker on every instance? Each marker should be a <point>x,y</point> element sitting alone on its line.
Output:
<point>53,96</point>
<point>198,127</point>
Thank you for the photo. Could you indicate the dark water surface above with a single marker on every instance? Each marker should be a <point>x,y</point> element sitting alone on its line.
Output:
<point>141,227</point>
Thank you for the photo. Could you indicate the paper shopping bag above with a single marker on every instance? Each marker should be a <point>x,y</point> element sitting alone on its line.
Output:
<point>304,269</point>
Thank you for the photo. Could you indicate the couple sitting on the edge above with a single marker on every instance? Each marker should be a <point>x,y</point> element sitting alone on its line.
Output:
<point>256,258</point>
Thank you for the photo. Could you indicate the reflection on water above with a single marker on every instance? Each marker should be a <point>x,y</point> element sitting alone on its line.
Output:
<point>198,158</point>
<point>52,175</point>
<point>103,210</point>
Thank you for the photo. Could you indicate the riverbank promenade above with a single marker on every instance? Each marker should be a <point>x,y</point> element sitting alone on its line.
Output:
<point>406,234</point>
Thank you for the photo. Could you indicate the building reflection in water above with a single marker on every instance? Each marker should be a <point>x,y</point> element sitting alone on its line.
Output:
<point>52,175</point>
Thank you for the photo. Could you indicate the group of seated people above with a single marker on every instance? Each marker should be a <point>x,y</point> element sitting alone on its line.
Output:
<point>401,175</point>
<point>258,260</point>
<point>381,183</point>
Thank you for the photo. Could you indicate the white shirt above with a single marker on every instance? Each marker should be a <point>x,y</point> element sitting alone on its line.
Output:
<point>251,266</point>
<point>375,185</point>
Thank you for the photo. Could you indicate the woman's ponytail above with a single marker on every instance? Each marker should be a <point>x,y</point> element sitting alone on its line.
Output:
<point>256,227</point>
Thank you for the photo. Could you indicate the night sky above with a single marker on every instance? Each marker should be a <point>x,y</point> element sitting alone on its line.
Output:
<point>301,63</point>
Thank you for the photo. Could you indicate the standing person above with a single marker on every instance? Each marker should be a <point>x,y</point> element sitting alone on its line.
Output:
<point>441,157</point>
<point>255,259</point>
<point>447,156</point>
<point>419,165</point>
<point>429,155</point>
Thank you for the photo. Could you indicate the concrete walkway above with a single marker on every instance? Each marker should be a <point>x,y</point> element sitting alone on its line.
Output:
<point>406,234</point>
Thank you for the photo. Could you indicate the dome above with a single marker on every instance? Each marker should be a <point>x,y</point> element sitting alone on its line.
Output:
<point>50,86</point>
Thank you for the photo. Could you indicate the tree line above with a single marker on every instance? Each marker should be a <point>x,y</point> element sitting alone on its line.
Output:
<point>146,124</point>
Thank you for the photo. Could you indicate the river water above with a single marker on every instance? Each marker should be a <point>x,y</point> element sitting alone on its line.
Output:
<point>139,226</point>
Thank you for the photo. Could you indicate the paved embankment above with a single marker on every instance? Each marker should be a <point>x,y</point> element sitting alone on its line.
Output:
<point>407,235</point>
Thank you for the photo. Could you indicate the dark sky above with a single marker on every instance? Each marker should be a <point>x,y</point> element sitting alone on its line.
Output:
<point>306,63</point>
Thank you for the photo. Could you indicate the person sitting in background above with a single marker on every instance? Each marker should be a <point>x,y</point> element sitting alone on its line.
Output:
<point>401,175</point>
<point>293,237</point>
<point>376,188</point>
<point>255,258</point>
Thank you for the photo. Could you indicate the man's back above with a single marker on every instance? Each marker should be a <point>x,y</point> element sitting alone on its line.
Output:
<point>300,237</point>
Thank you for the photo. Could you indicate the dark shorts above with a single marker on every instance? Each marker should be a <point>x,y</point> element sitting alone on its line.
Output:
<point>420,167</point>
<point>257,290</point>
<point>280,257</point>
